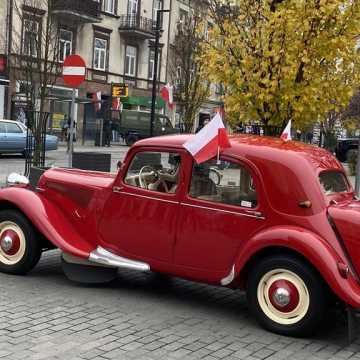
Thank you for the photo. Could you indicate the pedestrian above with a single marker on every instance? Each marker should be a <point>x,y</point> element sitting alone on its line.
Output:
<point>107,132</point>
<point>68,133</point>
<point>64,126</point>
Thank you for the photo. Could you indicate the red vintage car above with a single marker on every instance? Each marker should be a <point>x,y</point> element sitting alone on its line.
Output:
<point>279,220</point>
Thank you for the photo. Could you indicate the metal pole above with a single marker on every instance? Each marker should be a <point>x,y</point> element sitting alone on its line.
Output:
<point>155,72</point>
<point>72,125</point>
<point>357,180</point>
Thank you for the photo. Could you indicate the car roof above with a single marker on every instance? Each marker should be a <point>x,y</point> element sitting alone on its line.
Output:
<point>260,148</point>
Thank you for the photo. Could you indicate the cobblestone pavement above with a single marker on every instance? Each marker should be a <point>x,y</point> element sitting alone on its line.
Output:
<point>143,316</point>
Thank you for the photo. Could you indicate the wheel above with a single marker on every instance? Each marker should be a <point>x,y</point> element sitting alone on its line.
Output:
<point>287,296</point>
<point>131,140</point>
<point>20,250</point>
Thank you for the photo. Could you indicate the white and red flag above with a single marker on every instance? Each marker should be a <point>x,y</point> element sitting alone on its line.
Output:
<point>167,93</point>
<point>116,104</point>
<point>286,134</point>
<point>97,100</point>
<point>209,141</point>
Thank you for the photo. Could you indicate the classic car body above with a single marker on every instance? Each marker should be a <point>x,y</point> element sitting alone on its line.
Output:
<point>13,138</point>
<point>280,221</point>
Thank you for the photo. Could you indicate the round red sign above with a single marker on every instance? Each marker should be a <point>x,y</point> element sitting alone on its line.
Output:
<point>74,70</point>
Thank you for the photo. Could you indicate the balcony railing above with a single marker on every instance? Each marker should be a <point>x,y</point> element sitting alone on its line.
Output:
<point>83,10</point>
<point>137,26</point>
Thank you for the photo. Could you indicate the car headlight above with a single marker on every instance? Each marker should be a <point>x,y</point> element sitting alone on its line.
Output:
<point>16,179</point>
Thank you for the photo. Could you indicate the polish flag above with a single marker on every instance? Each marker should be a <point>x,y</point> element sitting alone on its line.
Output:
<point>116,104</point>
<point>286,134</point>
<point>167,93</point>
<point>209,141</point>
<point>97,100</point>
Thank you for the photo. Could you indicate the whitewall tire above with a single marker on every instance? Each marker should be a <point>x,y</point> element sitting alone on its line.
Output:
<point>286,295</point>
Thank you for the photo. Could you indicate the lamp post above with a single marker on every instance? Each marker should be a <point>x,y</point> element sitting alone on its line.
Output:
<point>158,31</point>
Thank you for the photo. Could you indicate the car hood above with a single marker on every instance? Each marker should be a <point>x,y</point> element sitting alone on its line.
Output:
<point>73,185</point>
<point>346,218</point>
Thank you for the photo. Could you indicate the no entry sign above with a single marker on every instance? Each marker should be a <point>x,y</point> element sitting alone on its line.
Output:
<point>74,70</point>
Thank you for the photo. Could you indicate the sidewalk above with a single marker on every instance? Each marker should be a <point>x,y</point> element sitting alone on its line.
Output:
<point>59,158</point>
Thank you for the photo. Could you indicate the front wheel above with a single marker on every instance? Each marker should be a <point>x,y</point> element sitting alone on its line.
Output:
<point>287,296</point>
<point>20,250</point>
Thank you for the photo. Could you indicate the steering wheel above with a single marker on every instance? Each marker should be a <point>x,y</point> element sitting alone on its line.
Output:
<point>152,172</point>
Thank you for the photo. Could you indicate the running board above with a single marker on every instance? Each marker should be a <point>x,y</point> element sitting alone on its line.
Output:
<point>105,257</point>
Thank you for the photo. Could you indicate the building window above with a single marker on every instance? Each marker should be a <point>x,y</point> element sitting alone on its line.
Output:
<point>30,43</point>
<point>133,7</point>
<point>130,61</point>
<point>152,64</point>
<point>66,41</point>
<point>108,6</point>
<point>157,5</point>
<point>100,54</point>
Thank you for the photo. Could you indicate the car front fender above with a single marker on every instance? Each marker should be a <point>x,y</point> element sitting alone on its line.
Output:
<point>309,246</point>
<point>47,219</point>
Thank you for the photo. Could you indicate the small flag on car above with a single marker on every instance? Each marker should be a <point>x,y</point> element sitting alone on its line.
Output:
<point>286,134</point>
<point>209,141</point>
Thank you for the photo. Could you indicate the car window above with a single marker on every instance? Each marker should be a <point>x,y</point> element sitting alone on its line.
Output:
<point>156,171</point>
<point>12,128</point>
<point>224,182</point>
<point>333,182</point>
<point>2,127</point>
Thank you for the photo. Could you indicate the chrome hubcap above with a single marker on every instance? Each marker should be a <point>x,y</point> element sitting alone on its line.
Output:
<point>6,243</point>
<point>281,297</point>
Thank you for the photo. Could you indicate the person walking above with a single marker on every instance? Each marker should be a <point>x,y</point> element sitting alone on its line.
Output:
<point>68,134</point>
<point>107,132</point>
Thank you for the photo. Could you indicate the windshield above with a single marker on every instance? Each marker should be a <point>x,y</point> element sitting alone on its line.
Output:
<point>333,182</point>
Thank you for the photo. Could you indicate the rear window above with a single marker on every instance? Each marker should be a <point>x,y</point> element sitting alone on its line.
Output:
<point>333,182</point>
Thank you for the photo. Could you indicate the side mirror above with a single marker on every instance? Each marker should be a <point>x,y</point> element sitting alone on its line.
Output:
<point>119,165</point>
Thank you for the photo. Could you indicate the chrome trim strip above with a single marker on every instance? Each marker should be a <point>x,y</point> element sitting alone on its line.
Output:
<point>229,279</point>
<point>151,198</point>
<point>105,257</point>
<point>256,214</point>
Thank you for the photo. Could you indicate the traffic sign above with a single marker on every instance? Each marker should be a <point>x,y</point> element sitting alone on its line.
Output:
<point>119,90</point>
<point>74,70</point>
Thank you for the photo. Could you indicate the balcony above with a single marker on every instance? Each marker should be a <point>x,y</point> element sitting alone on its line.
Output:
<point>83,11</point>
<point>136,27</point>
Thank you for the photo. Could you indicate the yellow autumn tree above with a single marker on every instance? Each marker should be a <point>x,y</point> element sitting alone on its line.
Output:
<point>284,59</point>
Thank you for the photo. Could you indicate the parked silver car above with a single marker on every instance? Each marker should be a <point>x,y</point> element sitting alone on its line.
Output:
<point>13,138</point>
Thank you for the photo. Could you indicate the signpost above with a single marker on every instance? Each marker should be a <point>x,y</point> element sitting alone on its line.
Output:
<point>74,71</point>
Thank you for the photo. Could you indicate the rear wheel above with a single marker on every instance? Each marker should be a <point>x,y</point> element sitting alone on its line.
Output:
<point>20,250</point>
<point>287,296</point>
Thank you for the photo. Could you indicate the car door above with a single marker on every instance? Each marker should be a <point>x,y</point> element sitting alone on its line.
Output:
<point>15,137</point>
<point>220,211</point>
<point>2,136</point>
<point>140,217</point>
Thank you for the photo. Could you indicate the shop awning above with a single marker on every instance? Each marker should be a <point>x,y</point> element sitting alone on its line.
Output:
<point>144,101</point>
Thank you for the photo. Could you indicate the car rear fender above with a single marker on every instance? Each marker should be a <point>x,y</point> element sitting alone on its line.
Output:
<point>308,245</point>
<point>48,220</point>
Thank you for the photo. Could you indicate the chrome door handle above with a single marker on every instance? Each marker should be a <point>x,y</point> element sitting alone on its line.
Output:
<point>257,214</point>
<point>117,189</point>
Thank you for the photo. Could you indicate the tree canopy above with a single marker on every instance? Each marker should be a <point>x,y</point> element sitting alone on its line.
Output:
<point>284,59</point>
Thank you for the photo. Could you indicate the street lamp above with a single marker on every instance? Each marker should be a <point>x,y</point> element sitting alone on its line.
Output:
<point>158,31</point>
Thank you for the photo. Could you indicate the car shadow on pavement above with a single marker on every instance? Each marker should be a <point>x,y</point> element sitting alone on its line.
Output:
<point>166,291</point>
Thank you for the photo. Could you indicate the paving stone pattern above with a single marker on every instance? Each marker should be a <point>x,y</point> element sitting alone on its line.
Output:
<point>143,316</point>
